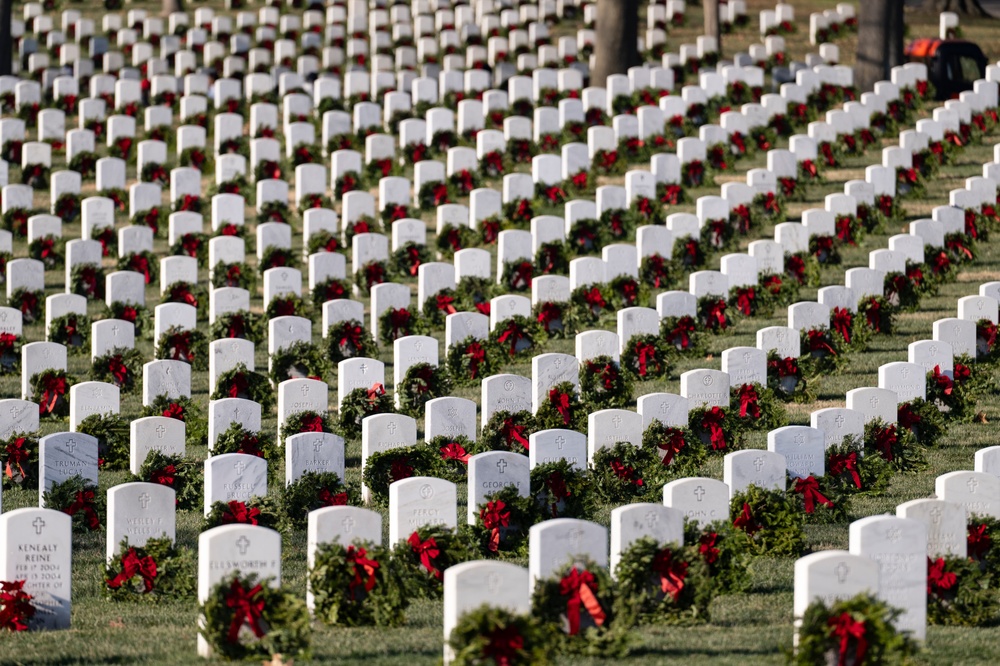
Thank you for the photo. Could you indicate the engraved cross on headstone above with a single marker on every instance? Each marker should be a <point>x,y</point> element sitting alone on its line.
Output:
<point>38,524</point>
<point>502,466</point>
<point>617,420</point>
<point>160,430</point>
<point>348,524</point>
<point>840,420</point>
<point>758,463</point>
<point>842,570</point>
<point>144,500</point>
<point>71,445</point>
<point>699,493</point>
<point>240,466</point>
<point>560,442</point>
<point>936,513</point>
<point>973,484</point>
<point>243,544</point>
<point>391,427</point>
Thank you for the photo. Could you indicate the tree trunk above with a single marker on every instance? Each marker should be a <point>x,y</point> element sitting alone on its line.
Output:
<point>880,41</point>
<point>171,6</point>
<point>6,42</point>
<point>615,40</point>
<point>962,7</point>
<point>711,11</point>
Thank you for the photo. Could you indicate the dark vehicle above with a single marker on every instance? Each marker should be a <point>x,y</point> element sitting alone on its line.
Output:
<point>953,65</point>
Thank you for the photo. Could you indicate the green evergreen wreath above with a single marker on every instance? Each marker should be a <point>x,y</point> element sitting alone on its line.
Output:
<point>112,433</point>
<point>183,409</point>
<point>860,625</point>
<point>473,294</point>
<point>277,257</point>
<point>356,585</point>
<point>470,360</point>
<point>490,635</point>
<point>582,628</point>
<point>662,584</point>
<point>262,511</point>
<point>423,382</point>
<point>87,280</point>
<point>756,408</point>
<point>157,571</point>
<point>237,439</point>
<point>240,275</point>
<point>823,352</point>
<point>502,523</point>
<point>561,490</point>
<point>509,431</point>
<point>895,444</point>
<point>371,274</point>
<point>786,380</point>
<point>853,472</point>
<point>552,258</point>
<point>121,367</point>
<point>144,262</point>
<point>958,594</point>
<point>516,276</point>
<point>438,306</point>
<point>589,307</point>
<point>359,404</point>
<point>396,323</point>
<point>51,388</point>
<point>49,249</point>
<point>181,474</point>
<point>275,211</point>
<point>455,452</point>
<point>240,382</point>
<point>137,315</point>
<point>422,559</point>
<point>716,428</point>
<point>672,453</point>
<point>179,344</point>
<point>719,547</point>
<point>603,385</point>
<point>192,245</point>
<point>314,490</point>
<point>952,395</point>
<point>923,419</point>
<point>382,468</point>
<point>331,289</point>
<point>616,473</point>
<point>645,357</point>
<point>240,324</point>
<point>627,292</point>
<point>768,521</point>
<point>298,360</point>
<point>879,315</point>
<point>453,238</point>
<point>324,241</point>
<point>982,538</point>
<point>307,421</point>
<point>287,305</point>
<point>516,337</point>
<point>80,499</point>
<point>407,259</point>
<point>20,455</point>
<point>349,339</point>
<point>282,625</point>
<point>562,407</point>
<point>190,294</point>
<point>683,336</point>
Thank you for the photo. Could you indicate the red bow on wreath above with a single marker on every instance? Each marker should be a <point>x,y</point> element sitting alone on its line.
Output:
<point>846,628</point>
<point>53,388</point>
<point>939,580</point>
<point>455,451</point>
<point>579,587</point>
<point>671,445</point>
<point>561,402</point>
<point>818,342</point>
<point>645,353</point>
<point>84,501</point>
<point>16,456</point>
<point>476,355</point>
<point>809,489</point>
<point>350,336</point>
<point>16,605</point>
<point>237,512</point>
<point>427,551</point>
<point>943,382</point>
<point>118,370</point>
<point>580,180</point>
<point>164,476</point>
<point>327,498</point>
<point>841,320</point>
<point>672,573</point>
<point>907,417</point>
<point>494,517</point>
<point>671,195</point>
<point>248,608</point>
<point>873,315</point>
<point>364,569</point>
<point>712,422</point>
<point>745,298</point>
<point>745,521</point>
<point>133,565</point>
<point>413,258</point>
<point>594,298</point>
<point>512,432</point>
<point>715,316</point>
<point>512,334</point>
<point>979,542</point>
<point>444,303</point>
<point>503,646</point>
<point>375,392</point>
<point>548,314</point>
<point>845,462</point>
<point>749,401</point>
<point>400,321</point>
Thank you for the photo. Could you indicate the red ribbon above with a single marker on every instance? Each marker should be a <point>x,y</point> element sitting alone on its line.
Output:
<point>413,256</point>
<point>375,392</point>
<point>842,320</point>
<point>818,342</point>
<point>707,547</point>
<point>845,628</point>
<point>133,565</point>
<point>979,542</point>
<point>53,388</point>
<point>494,517</point>
<point>594,298</point>
<point>512,432</point>
<point>16,455</point>
<point>476,355</point>
<point>248,608</point>
<point>579,587</point>
<point>350,336</point>
<point>237,512</point>
<point>561,402</point>
<point>671,445</point>
<point>672,573</point>
<point>547,314</point>
<point>671,195</point>
<point>16,605</point>
<point>364,569</point>
<point>400,321</point>
<point>809,489</point>
<point>444,302</point>
<point>118,370</point>
<point>745,521</point>
<point>646,353</point>
<point>455,451</point>
<point>873,315</point>
<point>845,462</point>
<point>327,498</point>
<point>682,331</point>
<point>712,422</point>
<point>885,441</point>
<point>427,551</point>
<point>715,316</point>
<point>943,382</point>
<point>749,401</point>
<point>512,333</point>
<point>745,297</point>
<point>84,501</point>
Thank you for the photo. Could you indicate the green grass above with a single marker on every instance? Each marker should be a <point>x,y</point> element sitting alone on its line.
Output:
<point>752,628</point>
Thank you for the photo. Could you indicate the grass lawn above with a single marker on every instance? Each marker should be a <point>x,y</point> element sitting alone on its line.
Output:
<point>749,628</point>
